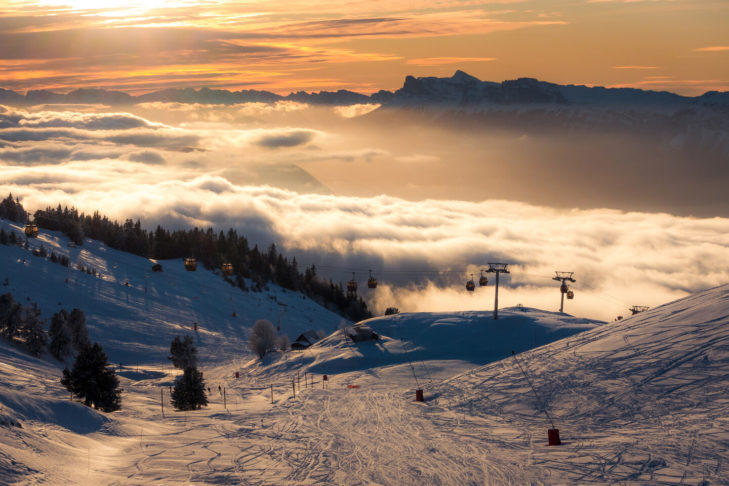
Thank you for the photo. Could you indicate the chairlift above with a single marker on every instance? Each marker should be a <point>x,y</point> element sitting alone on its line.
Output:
<point>190,264</point>
<point>570,295</point>
<point>31,230</point>
<point>227,269</point>
<point>483,281</point>
<point>471,285</point>
<point>352,285</point>
<point>372,281</point>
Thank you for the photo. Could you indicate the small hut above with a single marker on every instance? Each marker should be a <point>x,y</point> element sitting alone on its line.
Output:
<point>361,333</point>
<point>305,340</point>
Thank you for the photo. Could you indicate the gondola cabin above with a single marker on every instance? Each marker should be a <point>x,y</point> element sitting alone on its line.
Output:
<point>31,230</point>
<point>227,269</point>
<point>570,295</point>
<point>471,285</point>
<point>352,286</point>
<point>483,281</point>
<point>563,288</point>
<point>190,264</point>
<point>371,282</point>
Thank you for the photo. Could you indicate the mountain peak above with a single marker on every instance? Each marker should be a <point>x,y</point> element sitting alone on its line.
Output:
<point>463,77</point>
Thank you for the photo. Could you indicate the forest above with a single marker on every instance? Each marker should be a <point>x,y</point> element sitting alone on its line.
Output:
<point>209,247</point>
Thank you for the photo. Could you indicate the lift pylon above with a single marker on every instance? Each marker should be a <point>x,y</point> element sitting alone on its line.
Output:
<point>497,268</point>
<point>564,277</point>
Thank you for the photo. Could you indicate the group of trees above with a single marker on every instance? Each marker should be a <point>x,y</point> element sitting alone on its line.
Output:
<point>91,377</point>
<point>22,324</point>
<point>208,247</point>
<point>189,390</point>
<point>10,208</point>
<point>67,333</point>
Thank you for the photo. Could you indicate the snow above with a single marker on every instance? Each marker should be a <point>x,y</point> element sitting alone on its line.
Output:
<point>638,401</point>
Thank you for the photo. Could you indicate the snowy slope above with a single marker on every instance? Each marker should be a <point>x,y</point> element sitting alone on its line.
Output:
<point>641,401</point>
<point>136,326</point>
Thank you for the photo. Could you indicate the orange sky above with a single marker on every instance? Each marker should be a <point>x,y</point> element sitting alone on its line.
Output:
<point>145,45</point>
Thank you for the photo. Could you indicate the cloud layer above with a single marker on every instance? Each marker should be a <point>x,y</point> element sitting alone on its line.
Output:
<point>421,250</point>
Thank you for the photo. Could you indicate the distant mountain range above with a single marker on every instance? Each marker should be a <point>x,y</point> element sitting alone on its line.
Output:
<point>461,90</point>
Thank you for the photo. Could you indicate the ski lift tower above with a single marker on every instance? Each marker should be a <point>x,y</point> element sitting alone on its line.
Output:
<point>497,268</point>
<point>563,277</point>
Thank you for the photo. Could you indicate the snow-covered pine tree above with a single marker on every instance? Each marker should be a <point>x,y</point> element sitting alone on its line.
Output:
<point>189,391</point>
<point>263,337</point>
<point>93,379</point>
<point>184,353</point>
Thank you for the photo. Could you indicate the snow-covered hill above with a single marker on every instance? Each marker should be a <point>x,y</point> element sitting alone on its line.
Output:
<point>135,312</point>
<point>641,401</point>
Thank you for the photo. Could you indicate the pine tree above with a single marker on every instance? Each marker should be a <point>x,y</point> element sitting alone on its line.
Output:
<point>93,379</point>
<point>77,325</point>
<point>189,391</point>
<point>184,353</point>
<point>10,316</point>
<point>60,345</point>
<point>32,332</point>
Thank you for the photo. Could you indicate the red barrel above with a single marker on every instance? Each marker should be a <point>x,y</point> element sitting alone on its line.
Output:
<point>419,395</point>
<point>553,435</point>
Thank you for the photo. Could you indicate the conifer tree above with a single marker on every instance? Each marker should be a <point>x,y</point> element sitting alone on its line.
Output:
<point>184,353</point>
<point>32,332</point>
<point>60,344</point>
<point>93,379</point>
<point>77,325</point>
<point>189,391</point>
<point>10,316</point>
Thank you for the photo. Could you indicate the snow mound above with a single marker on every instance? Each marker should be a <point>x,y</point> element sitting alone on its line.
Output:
<point>472,337</point>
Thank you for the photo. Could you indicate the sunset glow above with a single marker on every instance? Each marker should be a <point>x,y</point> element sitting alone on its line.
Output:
<point>363,46</point>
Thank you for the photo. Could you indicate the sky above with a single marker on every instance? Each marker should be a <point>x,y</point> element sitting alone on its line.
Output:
<point>283,46</point>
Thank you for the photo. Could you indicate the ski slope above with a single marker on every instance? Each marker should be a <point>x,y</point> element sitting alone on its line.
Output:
<point>135,312</point>
<point>640,401</point>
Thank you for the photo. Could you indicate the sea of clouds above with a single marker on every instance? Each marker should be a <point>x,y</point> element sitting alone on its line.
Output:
<point>250,167</point>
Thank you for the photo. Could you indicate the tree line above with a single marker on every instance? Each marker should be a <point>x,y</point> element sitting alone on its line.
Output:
<point>209,247</point>
<point>91,378</point>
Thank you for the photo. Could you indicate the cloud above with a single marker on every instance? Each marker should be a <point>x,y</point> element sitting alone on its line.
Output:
<point>353,111</point>
<point>712,49</point>
<point>636,68</point>
<point>85,121</point>
<point>423,251</point>
<point>147,157</point>
<point>32,156</point>
<point>285,139</point>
